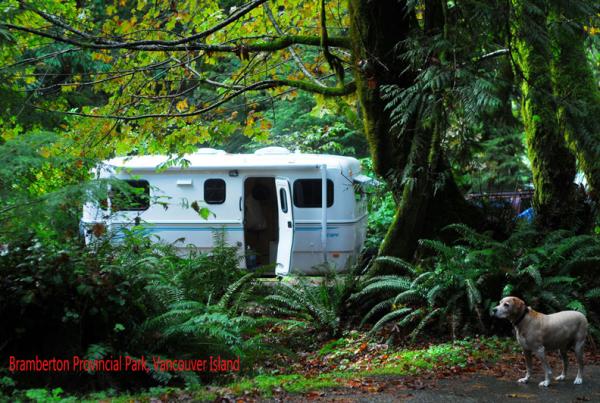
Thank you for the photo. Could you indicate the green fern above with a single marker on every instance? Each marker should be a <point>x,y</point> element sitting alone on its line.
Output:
<point>394,315</point>
<point>594,293</point>
<point>323,304</point>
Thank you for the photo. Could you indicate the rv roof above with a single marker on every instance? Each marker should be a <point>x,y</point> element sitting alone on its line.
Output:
<point>210,159</point>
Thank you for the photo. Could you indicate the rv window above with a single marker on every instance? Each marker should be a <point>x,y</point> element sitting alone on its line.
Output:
<point>214,191</point>
<point>307,193</point>
<point>134,198</point>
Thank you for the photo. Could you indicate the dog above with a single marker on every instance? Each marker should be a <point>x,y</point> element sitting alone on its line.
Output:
<point>538,333</point>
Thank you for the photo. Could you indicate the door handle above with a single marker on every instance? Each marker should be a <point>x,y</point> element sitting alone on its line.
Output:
<point>289,224</point>
<point>240,204</point>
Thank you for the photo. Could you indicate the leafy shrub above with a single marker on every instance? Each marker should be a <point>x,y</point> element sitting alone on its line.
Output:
<point>447,293</point>
<point>323,305</point>
<point>41,188</point>
<point>203,277</point>
<point>559,272</point>
<point>135,298</point>
<point>460,283</point>
<point>197,328</point>
<point>58,300</point>
<point>381,207</point>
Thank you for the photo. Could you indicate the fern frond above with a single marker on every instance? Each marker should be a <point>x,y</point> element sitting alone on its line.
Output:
<point>594,293</point>
<point>375,310</point>
<point>389,317</point>
<point>473,294</point>
<point>423,322</point>
<point>236,288</point>
<point>577,305</point>
<point>386,285</point>
<point>396,262</point>
<point>407,296</point>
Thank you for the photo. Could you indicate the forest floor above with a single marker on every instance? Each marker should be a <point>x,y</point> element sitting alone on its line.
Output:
<point>352,369</point>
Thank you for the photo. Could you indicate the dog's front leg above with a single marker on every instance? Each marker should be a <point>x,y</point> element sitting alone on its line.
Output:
<point>528,363</point>
<point>540,353</point>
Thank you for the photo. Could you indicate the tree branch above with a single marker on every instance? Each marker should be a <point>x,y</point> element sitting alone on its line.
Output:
<point>260,46</point>
<point>334,62</point>
<point>261,85</point>
<point>201,35</point>
<point>295,56</point>
<point>495,53</point>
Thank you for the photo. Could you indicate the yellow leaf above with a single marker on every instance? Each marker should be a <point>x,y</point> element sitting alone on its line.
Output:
<point>182,105</point>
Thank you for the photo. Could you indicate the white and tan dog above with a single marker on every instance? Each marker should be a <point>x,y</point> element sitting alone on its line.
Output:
<point>538,333</point>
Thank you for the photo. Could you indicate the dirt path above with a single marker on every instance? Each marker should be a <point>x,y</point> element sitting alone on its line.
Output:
<point>466,388</point>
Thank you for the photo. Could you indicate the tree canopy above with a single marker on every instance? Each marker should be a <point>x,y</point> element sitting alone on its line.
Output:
<point>433,81</point>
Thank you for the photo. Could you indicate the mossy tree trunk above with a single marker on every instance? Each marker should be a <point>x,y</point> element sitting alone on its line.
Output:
<point>578,96</point>
<point>552,163</point>
<point>424,206</point>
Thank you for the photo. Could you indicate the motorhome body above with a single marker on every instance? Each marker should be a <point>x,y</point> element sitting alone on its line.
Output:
<point>293,210</point>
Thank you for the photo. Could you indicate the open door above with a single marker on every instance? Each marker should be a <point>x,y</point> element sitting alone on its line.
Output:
<point>286,227</point>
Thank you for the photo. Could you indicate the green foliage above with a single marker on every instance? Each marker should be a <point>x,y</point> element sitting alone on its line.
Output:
<point>557,272</point>
<point>40,190</point>
<point>445,292</point>
<point>74,296</point>
<point>323,305</point>
<point>381,207</point>
<point>43,395</point>
<point>458,284</point>
<point>137,297</point>
<point>201,315</point>
<point>198,277</point>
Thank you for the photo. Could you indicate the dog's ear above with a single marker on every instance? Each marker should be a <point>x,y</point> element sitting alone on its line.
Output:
<point>518,304</point>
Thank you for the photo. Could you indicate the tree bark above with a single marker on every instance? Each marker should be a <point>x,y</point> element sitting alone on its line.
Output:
<point>425,189</point>
<point>552,164</point>
<point>578,98</point>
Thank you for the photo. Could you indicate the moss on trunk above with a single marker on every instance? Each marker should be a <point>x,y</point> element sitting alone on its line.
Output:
<point>578,97</point>
<point>552,164</point>
<point>377,27</point>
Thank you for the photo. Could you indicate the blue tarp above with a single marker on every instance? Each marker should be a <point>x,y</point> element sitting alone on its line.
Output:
<point>526,215</point>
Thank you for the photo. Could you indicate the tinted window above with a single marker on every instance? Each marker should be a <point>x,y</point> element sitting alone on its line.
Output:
<point>214,191</point>
<point>307,193</point>
<point>133,195</point>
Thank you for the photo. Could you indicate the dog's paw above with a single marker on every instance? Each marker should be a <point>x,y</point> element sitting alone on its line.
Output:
<point>524,380</point>
<point>578,381</point>
<point>560,378</point>
<point>544,383</point>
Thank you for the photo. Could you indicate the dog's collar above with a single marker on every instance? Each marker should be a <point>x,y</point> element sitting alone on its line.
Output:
<point>515,323</point>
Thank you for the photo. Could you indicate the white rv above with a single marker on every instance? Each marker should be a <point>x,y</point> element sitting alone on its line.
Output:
<point>293,210</point>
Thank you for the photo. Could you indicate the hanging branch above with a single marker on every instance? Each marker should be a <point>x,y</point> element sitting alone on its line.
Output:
<point>334,62</point>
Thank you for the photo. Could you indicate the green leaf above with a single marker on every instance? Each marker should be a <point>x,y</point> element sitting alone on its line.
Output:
<point>204,213</point>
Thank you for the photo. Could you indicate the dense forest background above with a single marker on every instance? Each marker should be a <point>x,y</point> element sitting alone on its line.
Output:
<point>440,100</point>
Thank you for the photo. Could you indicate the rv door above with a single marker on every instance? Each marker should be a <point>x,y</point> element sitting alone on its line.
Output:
<point>286,227</point>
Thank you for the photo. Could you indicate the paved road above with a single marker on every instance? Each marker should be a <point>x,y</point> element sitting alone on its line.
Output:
<point>476,388</point>
<point>489,389</point>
